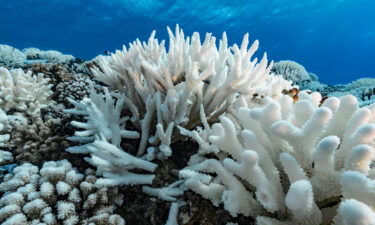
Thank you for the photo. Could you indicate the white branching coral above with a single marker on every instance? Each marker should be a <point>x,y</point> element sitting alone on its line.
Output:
<point>114,163</point>
<point>354,212</point>
<point>173,212</point>
<point>57,194</point>
<point>168,88</point>
<point>10,56</point>
<point>49,55</point>
<point>103,116</point>
<point>23,92</point>
<point>173,84</point>
<point>298,159</point>
<point>101,138</point>
<point>166,193</point>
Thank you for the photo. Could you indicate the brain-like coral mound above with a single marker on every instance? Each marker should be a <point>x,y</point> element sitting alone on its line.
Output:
<point>292,71</point>
<point>56,194</point>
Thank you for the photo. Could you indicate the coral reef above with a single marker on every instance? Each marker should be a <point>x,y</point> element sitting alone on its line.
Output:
<point>11,57</point>
<point>157,128</point>
<point>363,89</point>
<point>49,55</point>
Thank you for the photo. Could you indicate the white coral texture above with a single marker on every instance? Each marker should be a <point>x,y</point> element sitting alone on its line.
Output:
<point>301,161</point>
<point>56,194</point>
<point>5,156</point>
<point>23,92</point>
<point>49,55</point>
<point>292,71</point>
<point>103,115</point>
<point>10,56</point>
<point>171,85</point>
<point>190,73</point>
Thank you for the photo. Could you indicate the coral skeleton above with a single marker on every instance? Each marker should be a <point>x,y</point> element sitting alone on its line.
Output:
<point>297,159</point>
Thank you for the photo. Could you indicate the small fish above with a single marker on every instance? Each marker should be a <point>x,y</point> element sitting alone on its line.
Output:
<point>206,81</point>
<point>106,52</point>
<point>292,93</point>
<point>324,98</point>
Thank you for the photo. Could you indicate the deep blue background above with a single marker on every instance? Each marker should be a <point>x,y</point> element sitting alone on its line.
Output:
<point>333,38</point>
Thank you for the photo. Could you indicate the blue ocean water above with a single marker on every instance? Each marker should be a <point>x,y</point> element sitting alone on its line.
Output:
<point>334,39</point>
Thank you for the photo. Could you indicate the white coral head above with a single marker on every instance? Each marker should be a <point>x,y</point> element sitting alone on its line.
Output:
<point>250,157</point>
<point>65,209</point>
<point>360,158</point>
<point>300,197</point>
<point>353,212</point>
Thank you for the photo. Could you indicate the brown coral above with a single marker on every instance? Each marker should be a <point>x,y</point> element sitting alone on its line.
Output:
<point>37,141</point>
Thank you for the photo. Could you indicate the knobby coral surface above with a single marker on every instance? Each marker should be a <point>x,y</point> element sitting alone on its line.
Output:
<point>37,140</point>
<point>56,194</point>
<point>292,71</point>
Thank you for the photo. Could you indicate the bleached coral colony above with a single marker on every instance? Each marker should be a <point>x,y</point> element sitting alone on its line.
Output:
<point>262,153</point>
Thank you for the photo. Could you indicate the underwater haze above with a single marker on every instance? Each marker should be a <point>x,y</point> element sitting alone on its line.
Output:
<point>334,39</point>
